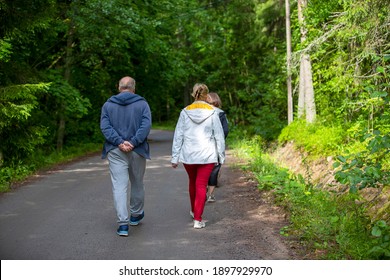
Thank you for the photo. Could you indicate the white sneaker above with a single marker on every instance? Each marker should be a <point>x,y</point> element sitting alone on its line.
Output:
<point>211,198</point>
<point>199,224</point>
<point>191,214</point>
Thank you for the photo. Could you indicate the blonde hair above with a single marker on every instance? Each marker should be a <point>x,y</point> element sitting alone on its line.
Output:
<point>214,99</point>
<point>200,91</point>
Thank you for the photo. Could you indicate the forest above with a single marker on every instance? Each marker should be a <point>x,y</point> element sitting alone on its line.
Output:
<point>309,72</point>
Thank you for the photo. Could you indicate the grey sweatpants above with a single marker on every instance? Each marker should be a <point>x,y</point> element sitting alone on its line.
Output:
<point>125,168</point>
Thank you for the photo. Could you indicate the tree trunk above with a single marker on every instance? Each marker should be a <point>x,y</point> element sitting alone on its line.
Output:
<point>310,106</point>
<point>67,77</point>
<point>306,100</point>
<point>289,86</point>
<point>61,129</point>
<point>168,106</point>
<point>301,93</point>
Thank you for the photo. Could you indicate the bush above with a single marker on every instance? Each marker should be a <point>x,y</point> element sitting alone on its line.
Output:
<point>368,168</point>
<point>316,139</point>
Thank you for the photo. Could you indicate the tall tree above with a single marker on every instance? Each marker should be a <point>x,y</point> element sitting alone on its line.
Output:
<point>67,77</point>
<point>289,82</point>
<point>19,93</point>
<point>306,101</point>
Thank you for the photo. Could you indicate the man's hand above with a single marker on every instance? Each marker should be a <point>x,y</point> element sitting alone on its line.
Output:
<point>174,165</point>
<point>126,147</point>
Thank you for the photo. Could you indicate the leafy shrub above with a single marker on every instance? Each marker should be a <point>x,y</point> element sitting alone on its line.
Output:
<point>19,135</point>
<point>316,139</point>
<point>381,242</point>
<point>13,173</point>
<point>366,169</point>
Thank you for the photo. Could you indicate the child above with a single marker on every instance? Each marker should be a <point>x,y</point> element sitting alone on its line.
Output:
<point>213,99</point>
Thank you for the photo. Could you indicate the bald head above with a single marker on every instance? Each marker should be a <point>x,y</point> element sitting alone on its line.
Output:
<point>127,84</point>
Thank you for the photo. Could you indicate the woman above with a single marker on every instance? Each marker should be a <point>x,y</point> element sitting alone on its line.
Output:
<point>215,100</point>
<point>199,144</point>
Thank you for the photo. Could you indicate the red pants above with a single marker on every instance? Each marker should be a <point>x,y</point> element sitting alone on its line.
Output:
<point>198,175</point>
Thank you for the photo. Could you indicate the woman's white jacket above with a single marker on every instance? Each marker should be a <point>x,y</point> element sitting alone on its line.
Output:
<point>199,136</point>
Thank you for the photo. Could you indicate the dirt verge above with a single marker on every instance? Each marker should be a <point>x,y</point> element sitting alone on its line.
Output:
<point>260,219</point>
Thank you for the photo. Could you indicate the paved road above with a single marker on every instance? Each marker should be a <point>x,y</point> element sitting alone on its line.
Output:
<point>69,214</point>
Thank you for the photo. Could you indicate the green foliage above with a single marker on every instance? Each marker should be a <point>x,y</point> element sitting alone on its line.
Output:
<point>41,159</point>
<point>381,234</point>
<point>5,50</point>
<point>331,223</point>
<point>34,15</point>
<point>12,173</point>
<point>19,136</point>
<point>58,63</point>
<point>221,45</point>
<point>236,47</point>
<point>64,97</point>
<point>349,56</point>
<point>17,102</point>
<point>365,169</point>
<point>317,139</point>
<point>250,146</point>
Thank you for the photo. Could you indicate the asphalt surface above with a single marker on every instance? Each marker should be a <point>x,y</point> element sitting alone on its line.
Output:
<point>68,214</point>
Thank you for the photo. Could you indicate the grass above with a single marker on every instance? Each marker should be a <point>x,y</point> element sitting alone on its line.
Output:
<point>316,139</point>
<point>165,126</point>
<point>19,171</point>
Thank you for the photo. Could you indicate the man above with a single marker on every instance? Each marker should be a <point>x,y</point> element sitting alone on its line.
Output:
<point>125,123</point>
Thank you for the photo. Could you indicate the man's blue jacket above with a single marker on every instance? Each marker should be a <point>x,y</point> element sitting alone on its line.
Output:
<point>126,117</point>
